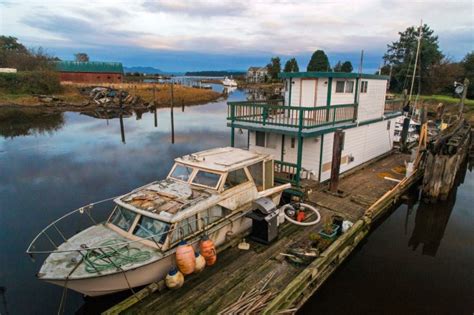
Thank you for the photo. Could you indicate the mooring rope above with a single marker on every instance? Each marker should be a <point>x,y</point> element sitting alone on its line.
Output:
<point>111,257</point>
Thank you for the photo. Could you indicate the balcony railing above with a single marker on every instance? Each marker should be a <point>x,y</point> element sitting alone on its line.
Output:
<point>275,114</point>
<point>392,106</point>
<point>285,172</point>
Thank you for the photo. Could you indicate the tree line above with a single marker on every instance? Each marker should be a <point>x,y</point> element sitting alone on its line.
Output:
<point>435,73</point>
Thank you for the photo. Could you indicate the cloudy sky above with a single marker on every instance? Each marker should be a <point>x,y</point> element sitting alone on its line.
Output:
<point>181,35</point>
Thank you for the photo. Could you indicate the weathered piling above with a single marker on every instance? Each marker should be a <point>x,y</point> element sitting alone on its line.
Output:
<point>443,161</point>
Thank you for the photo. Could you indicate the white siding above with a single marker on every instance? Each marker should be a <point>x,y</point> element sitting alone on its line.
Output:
<point>270,138</point>
<point>371,104</point>
<point>295,92</point>
<point>363,143</point>
<point>322,92</point>
<point>308,92</point>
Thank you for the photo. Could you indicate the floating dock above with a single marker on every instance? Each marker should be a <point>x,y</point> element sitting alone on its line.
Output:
<point>262,279</point>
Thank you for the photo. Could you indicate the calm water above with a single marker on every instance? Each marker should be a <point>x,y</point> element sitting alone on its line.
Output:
<point>55,163</point>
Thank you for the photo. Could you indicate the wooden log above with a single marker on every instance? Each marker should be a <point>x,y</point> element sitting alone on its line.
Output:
<point>336,159</point>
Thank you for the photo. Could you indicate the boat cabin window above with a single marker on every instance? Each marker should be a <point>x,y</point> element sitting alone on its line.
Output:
<point>256,170</point>
<point>181,172</point>
<point>235,178</point>
<point>184,228</point>
<point>213,214</point>
<point>205,178</point>
<point>123,218</point>
<point>151,228</point>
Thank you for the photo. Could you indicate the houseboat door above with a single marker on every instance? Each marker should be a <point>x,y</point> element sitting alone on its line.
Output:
<point>308,95</point>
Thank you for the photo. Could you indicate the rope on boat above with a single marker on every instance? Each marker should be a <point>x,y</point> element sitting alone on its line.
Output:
<point>112,257</point>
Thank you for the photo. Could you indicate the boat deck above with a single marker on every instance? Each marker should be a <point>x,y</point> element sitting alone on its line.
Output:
<point>238,271</point>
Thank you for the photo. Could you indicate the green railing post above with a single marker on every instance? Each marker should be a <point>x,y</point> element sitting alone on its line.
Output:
<point>356,100</point>
<point>299,157</point>
<point>328,100</point>
<point>232,129</point>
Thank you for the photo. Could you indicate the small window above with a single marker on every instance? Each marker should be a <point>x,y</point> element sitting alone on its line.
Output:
<point>260,139</point>
<point>256,170</point>
<point>293,140</point>
<point>388,124</point>
<point>349,87</point>
<point>182,172</point>
<point>184,228</point>
<point>235,178</point>
<point>123,218</point>
<point>206,179</point>
<point>152,229</point>
<point>363,86</point>
<point>213,214</point>
<point>340,86</point>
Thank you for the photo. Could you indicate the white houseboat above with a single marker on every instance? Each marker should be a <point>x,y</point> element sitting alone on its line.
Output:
<point>299,130</point>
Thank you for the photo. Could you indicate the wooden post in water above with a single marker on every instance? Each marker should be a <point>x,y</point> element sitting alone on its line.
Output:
<point>172,114</point>
<point>182,105</point>
<point>154,103</point>
<point>336,159</point>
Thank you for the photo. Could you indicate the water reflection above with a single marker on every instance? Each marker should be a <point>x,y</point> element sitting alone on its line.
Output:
<point>17,122</point>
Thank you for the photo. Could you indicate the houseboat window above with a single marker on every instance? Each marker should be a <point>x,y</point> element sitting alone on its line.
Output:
<point>182,172</point>
<point>363,86</point>
<point>256,170</point>
<point>184,228</point>
<point>123,218</point>
<point>206,178</point>
<point>235,178</point>
<point>339,86</point>
<point>349,86</point>
<point>260,139</point>
<point>147,227</point>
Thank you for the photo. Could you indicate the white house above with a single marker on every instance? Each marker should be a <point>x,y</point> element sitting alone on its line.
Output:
<point>299,130</point>
<point>256,74</point>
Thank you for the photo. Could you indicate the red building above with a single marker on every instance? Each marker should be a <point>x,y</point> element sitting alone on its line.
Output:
<point>90,72</point>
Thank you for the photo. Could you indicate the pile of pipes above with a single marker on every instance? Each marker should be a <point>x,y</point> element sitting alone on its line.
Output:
<point>252,302</point>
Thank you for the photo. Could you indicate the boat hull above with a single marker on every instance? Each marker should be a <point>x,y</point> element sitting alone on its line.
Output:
<point>145,274</point>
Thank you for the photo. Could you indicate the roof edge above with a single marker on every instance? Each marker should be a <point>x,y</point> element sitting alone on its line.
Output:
<point>339,75</point>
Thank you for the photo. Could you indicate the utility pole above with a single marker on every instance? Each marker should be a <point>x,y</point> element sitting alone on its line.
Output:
<point>420,34</point>
<point>172,113</point>
<point>154,103</point>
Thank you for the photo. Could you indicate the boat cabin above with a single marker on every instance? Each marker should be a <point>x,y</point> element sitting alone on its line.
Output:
<point>299,129</point>
<point>200,191</point>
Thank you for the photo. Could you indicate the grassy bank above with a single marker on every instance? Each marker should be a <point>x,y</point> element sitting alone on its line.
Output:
<point>76,94</point>
<point>446,99</point>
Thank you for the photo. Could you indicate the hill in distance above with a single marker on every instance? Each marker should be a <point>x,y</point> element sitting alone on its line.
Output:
<point>147,70</point>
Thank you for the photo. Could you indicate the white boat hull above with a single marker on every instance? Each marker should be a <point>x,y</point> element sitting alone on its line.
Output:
<point>145,274</point>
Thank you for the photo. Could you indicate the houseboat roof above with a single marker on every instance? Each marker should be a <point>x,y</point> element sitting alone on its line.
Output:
<point>222,159</point>
<point>337,75</point>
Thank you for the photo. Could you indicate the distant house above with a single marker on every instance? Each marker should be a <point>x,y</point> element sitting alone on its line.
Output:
<point>90,72</point>
<point>257,74</point>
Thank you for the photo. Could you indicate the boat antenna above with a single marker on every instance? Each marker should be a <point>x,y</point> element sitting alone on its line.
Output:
<point>420,34</point>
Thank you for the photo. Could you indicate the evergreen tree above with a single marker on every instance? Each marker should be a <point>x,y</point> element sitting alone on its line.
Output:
<point>319,62</point>
<point>338,66</point>
<point>274,68</point>
<point>81,57</point>
<point>346,67</point>
<point>401,55</point>
<point>468,66</point>
<point>291,66</point>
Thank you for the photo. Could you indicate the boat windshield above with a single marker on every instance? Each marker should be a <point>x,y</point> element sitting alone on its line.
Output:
<point>206,179</point>
<point>123,218</point>
<point>147,227</point>
<point>181,172</point>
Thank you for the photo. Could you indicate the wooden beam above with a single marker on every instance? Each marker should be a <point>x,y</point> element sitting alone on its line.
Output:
<point>336,159</point>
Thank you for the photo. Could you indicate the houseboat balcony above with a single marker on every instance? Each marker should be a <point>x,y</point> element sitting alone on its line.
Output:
<point>277,117</point>
<point>288,119</point>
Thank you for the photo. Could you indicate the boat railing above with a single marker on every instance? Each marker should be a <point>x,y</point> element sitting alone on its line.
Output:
<point>52,232</point>
<point>395,105</point>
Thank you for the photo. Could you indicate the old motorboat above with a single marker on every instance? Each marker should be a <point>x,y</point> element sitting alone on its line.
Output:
<point>413,130</point>
<point>206,193</point>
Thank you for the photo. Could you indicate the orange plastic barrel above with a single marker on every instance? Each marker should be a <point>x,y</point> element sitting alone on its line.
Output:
<point>185,259</point>
<point>208,251</point>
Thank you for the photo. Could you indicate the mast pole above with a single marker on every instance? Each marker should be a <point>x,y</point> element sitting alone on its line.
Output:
<point>420,33</point>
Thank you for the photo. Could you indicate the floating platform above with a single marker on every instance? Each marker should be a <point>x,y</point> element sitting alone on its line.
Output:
<point>262,279</point>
